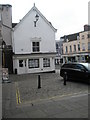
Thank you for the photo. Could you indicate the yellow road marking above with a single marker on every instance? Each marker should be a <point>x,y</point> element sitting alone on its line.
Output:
<point>54,97</point>
<point>18,100</point>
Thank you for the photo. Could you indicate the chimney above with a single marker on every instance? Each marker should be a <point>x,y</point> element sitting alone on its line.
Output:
<point>86,27</point>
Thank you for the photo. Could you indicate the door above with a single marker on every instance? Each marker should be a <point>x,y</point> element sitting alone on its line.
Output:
<point>22,67</point>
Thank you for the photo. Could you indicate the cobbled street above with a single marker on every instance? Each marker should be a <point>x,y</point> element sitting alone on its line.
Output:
<point>51,86</point>
<point>23,99</point>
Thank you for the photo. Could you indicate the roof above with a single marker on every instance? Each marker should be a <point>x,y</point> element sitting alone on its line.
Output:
<point>14,24</point>
<point>6,5</point>
<point>70,37</point>
<point>40,14</point>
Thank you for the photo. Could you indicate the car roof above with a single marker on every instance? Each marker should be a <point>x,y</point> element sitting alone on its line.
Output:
<point>87,65</point>
<point>78,63</point>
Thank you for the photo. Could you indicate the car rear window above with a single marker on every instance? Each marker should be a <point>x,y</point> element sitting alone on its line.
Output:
<point>68,66</point>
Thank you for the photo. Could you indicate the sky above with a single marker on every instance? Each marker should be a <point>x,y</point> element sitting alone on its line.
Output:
<point>67,16</point>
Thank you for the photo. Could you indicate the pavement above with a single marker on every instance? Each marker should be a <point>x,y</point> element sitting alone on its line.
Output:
<point>22,98</point>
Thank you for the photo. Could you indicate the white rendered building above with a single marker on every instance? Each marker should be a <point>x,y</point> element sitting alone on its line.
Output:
<point>34,44</point>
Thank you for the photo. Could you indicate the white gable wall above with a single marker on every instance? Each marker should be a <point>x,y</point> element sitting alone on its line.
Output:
<point>25,31</point>
<point>24,34</point>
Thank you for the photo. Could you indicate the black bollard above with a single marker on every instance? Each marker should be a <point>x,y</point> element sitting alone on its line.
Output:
<point>65,78</point>
<point>39,82</point>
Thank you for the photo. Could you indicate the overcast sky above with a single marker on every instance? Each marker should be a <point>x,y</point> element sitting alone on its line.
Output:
<point>67,16</point>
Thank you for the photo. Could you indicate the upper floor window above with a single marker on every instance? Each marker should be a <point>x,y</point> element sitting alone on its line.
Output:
<point>88,35</point>
<point>78,47</point>
<point>70,48</point>
<point>82,36</point>
<point>35,46</point>
<point>83,46</point>
<point>66,49</point>
<point>46,62</point>
<point>74,48</point>
<point>57,46</point>
<point>88,45</point>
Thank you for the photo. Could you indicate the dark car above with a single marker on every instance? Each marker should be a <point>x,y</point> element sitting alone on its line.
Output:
<point>76,71</point>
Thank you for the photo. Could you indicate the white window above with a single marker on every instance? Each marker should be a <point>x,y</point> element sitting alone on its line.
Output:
<point>20,63</point>
<point>46,62</point>
<point>83,46</point>
<point>35,46</point>
<point>33,63</point>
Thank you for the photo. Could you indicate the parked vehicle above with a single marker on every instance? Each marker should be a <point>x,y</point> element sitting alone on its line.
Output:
<point>76,71</point>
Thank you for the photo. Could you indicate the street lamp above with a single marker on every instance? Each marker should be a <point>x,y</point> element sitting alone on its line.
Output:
<point>37,18</point>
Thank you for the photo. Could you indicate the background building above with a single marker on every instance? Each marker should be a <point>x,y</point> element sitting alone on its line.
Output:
<point>59,52</point>
<point>34,44</point>
<point>76,47</point>
<point>6,35</point>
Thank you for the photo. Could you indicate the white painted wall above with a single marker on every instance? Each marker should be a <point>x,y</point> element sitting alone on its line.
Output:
<point>26,31</point>
<point>24,34</point>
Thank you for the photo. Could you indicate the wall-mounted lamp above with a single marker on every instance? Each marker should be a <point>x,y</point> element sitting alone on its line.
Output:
<point>37,18</point>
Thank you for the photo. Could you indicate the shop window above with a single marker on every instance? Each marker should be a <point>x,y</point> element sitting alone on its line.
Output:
<point>20,63</point>
<point>33,63</point>
<point>46,62</point>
